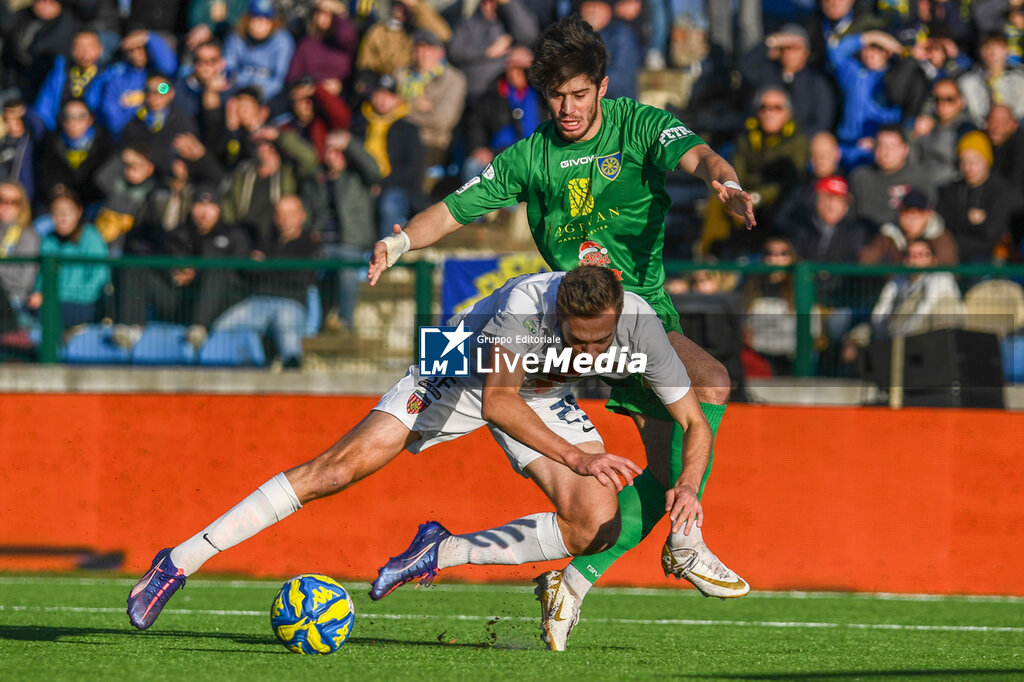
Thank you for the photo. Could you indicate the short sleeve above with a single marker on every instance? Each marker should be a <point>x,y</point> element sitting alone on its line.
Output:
<point>515,326</point>
<point>662,137</point>
<point>665,371</point>
<point>502,183</point>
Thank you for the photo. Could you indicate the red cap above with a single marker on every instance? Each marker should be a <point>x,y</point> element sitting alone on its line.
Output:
<point>833,184</point>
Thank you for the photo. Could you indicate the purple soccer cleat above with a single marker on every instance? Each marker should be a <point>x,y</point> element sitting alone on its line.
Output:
<point>149,596</point>
<point>419,561</point>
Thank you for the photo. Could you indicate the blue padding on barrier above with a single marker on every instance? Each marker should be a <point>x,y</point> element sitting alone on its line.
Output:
<point>233,349</point>
<point>163,344</point>
<point>1013,358</point>
<point>93,346</point>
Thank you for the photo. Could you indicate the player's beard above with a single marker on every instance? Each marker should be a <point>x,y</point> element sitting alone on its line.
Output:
<point>585,127</point>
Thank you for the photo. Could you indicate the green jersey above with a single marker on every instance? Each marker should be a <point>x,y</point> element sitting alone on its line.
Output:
<point>597,202</point>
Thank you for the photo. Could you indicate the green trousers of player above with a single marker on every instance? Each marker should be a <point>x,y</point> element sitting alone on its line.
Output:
<point>642,504</point>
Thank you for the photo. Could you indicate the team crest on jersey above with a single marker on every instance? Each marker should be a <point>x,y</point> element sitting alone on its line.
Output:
<point>488,172</point>
<point>609,166</point>
<point>416,403</point>
<point>581,202</point>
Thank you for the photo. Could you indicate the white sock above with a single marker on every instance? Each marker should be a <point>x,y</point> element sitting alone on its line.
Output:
<point>679,541</point>
<point>576,581</point>
<point>268,504</point>
<point>532,538</point>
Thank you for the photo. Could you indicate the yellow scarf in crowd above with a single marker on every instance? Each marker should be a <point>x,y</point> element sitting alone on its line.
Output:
<point>377,128</point>
<point>10,240</point>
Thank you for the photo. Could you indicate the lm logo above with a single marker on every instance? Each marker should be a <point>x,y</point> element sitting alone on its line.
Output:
<point>444,351</point>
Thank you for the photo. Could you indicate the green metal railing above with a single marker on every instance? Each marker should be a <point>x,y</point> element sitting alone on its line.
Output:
<point>806,279</point>
<point>805,294</point>
<point>49,268</point>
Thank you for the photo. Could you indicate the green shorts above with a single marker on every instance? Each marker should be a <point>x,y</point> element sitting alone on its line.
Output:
<point>632,394</point>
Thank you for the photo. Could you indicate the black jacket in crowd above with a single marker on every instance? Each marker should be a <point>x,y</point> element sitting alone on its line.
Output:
<point>76,170</point>
<point>286,283</point>
<point>978,217</point>
<point>159,144</point>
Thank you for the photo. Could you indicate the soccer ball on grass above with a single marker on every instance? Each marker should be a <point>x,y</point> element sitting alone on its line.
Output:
<point>312,614</point>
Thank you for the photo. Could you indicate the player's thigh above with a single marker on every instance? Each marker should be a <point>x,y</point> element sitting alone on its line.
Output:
<point>709,377</point>
<point>367,448</point>
<point>579,500</point>
<point>439,409</point>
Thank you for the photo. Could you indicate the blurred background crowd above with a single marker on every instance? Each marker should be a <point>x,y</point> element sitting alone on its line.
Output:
<point>874,132</point>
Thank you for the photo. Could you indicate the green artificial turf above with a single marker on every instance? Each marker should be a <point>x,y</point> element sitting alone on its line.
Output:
<point>73,627</point>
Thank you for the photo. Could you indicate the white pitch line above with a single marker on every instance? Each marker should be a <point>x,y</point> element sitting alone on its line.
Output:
<point>685,592</point>
<point>611,621</point>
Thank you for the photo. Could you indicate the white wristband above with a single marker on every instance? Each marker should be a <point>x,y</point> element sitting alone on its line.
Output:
<point>732,184</point>
<point>396,244</point>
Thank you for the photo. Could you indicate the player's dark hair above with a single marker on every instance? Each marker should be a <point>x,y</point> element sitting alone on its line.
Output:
<point>589,290</point>
<point>568,48</point>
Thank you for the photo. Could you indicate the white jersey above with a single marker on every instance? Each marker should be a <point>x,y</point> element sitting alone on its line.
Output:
<point>521,317</point>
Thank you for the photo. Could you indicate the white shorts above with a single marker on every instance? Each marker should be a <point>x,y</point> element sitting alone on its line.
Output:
<point>443,408</point>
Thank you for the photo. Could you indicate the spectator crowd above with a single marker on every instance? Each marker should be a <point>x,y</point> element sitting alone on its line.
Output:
<point>307,128</point>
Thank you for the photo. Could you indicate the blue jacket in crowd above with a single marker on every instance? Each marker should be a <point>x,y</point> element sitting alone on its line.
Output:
<point>125,88</point>
<point>865,107</point>
<point>51,94</point>
<point>264,65</point>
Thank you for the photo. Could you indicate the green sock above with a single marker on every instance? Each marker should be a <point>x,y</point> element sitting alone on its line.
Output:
<point>642,504</point>
<point>639,515</point>
<point>714,414</point>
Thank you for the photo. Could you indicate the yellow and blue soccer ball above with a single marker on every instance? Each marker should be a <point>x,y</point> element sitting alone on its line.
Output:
<point>312,614</point>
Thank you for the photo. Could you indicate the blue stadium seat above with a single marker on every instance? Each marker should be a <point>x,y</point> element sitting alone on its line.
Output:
<point>233,349</point>
<point>163,344</point>
<point>1013,358</point>
<point>92,346</point>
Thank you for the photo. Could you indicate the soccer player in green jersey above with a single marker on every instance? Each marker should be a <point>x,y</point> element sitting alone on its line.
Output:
<point>593,180</point>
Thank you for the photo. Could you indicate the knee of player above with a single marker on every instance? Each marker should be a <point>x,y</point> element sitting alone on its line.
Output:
<point>712,383</point>
<point>592,534</point>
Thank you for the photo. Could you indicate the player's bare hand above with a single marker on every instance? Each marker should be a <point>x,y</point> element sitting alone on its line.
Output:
<point>379,259</point>
<point>737,201</point>
<point>607,468</point>
<point>684,508</point>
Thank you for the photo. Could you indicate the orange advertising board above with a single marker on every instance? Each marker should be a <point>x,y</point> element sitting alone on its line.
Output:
<point>863,499</point>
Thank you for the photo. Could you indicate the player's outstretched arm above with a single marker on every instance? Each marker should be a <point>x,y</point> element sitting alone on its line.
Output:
<point>425,228</point>
<point>506,409</point>
<point>681,501</point>
<point>720,176</point>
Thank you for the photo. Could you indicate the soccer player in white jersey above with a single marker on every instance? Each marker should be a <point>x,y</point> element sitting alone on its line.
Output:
<point>536,420</point>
